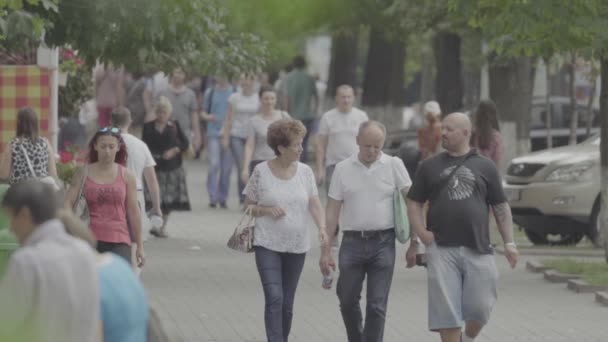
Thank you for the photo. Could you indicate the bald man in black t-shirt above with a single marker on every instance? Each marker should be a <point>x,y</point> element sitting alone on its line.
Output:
<point>461,187</point>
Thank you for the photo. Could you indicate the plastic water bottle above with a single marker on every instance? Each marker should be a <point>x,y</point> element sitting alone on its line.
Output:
<point>327,281</point>
<point>156,221</point>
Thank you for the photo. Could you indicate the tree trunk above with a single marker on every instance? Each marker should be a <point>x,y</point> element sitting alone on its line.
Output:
<point>548,115</point>
<point>472,62</point>
<point>604,152</point>
<point>511,83</point>
<point>472,88</point>
<point>384,71</point>
<point>448,80</point>
<point>344,57</point>
<point>573,104</point>
<point>426,88</point>
<point>591,100</point>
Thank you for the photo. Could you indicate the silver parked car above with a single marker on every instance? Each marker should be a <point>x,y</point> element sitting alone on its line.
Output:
<point>554,194</point>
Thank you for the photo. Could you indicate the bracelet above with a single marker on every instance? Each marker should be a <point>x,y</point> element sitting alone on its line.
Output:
<point>511,244</point>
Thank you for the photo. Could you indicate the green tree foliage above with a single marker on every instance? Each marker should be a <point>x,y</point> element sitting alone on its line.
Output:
<point>286,24</point>
<point>136,33</point>
<point>537,28</point>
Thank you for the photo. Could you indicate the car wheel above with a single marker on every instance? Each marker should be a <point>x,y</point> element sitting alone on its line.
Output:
<point>536,238</point>
<point>542,239</point>
<point>594,225</point>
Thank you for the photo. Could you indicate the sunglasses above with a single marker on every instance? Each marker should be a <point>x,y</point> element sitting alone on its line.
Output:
<point>112,130</point>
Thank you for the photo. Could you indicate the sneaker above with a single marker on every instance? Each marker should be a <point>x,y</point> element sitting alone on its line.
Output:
<point>212,205</point>
<point>223,205</point>
<point>155,232</point>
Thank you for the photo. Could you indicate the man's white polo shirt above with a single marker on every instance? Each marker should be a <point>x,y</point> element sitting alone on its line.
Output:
<point>139,157</point>
<point>341,130</point>
<point>367,193</point>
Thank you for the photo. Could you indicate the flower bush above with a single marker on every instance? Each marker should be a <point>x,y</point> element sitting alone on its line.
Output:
<point>79,87</point>
<point>70,63</point>
<point>71,159</point>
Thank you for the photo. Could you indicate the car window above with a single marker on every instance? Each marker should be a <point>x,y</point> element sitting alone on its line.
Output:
<point>561,115</point>
<point>538,116</point>
<point>582,116</point>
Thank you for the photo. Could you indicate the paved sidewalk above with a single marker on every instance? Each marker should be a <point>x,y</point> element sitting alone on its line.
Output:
<point>205,292</point>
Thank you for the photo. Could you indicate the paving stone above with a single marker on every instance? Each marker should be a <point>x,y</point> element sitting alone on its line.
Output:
<point>214,294</point>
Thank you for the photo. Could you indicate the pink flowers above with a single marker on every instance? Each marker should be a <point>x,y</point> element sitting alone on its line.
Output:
<point>70,161</point>
<point>65,156</point>
<point>68,54</point>
<point>70,61</point>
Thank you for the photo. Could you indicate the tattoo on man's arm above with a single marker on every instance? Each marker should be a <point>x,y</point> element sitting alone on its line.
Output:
<point>501,212</point>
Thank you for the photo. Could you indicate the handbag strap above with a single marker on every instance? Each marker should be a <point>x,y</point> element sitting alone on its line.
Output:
<point>394,160</point>
<point>27,159</point>
<point>84,179</point>
<point>210,103</point>
<point>249,214</point>
<point>446,180</point>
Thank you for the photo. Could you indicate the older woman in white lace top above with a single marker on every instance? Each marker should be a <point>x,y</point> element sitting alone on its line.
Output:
<point>286,204</point>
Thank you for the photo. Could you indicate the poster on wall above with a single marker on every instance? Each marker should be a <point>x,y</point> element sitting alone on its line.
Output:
<point>23,86</point>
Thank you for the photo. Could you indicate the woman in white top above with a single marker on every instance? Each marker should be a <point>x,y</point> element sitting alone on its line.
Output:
<point>256,146</point>
<point>284,198</point>
<point>242,106</point>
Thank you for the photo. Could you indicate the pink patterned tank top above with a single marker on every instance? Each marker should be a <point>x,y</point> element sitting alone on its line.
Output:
<point>108,209</point>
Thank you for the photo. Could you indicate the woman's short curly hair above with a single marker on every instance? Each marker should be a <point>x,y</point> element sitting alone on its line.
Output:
<point>284,132</point>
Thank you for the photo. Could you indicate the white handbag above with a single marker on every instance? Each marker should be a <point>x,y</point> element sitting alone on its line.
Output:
<point>242,238</point>
<point>48,179</point>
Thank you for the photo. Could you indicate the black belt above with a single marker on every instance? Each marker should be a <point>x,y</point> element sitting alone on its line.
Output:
<point>367,234</point>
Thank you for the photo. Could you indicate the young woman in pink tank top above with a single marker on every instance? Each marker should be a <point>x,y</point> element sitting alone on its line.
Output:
<point>111,195</point>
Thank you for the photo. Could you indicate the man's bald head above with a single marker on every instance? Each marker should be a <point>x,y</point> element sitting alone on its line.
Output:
<point>460,120</point>
<point>370,140</point>
<point>373,125</point>
<point>456,132</point>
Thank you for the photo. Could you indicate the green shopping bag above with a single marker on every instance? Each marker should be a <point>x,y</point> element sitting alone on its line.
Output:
<point>402,223</point>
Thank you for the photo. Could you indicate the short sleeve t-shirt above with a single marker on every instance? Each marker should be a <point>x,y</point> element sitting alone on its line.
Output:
<point>183,103</point>
<point>245,108</point>
<point>459,216</point>
<point>124,306</point>
<point>300,88</point>
<point>290,233</point>
<point>139,157</point>
<point>219,107</point>
<point>367,193</point>
<point>341,130</point>
<point>258,127</point>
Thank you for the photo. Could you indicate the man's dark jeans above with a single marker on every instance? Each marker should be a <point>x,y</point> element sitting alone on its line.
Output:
<point>280,273</point>
<point>374,257</point>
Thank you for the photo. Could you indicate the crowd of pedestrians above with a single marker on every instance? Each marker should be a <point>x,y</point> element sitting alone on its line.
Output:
<point>264,131</point>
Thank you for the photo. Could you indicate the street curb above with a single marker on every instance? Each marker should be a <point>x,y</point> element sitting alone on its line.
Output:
<point>555,277</point>
<point>536,266</point>
<point>581,286</point>
<point>554,252</point>
<point>602,298</point>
